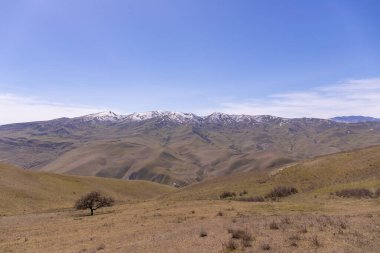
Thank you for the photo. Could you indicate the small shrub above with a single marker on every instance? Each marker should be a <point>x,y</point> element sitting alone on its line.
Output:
<point>342,225</point>
<point>243,193</point>
<point>285,220</point>
<point>354,193</point>
<point>273,225</point>
<point>377,193</point>
<point>101,247</point>
<point>294,239</point>
<point>203,233</point>
<point>253,199</point>
<point>281,191</point>
<point>265,246</point>
<point>232,245</point>
<point>247,244</point>
<point>304,229</point>
<point>227,194</point>
<point>237,233</point>
<point>220,213</point>
<point>316,241</point>
<point>247,237</point>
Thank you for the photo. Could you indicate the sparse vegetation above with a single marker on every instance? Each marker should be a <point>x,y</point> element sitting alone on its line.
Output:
<point>273,225</point>
<point>253,199</point>
<point>244,192</point>
<point>101,247</point>
<point>243,235</point>
<point>232,245</point>
<point>237,233</point>
<point>265,246</point>
<point>281,191</point>
<point>93,201</point>
<point>285,220</point>
<point>303,229</point>
<point>227,194</point>
<point>316,241</point>
<point>377,193</point>
<point>354,193</point>
<point>203,233</point>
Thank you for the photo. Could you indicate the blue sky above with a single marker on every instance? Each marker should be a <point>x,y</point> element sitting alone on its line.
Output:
<point>288,58</point>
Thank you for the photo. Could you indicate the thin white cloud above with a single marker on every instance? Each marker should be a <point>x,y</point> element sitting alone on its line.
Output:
<point>15,109</point>
<point>352,97</point>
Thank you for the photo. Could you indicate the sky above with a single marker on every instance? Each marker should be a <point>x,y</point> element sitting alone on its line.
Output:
<point>287,58</point>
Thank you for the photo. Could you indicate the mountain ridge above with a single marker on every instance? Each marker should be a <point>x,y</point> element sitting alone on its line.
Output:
<point>175,148</point>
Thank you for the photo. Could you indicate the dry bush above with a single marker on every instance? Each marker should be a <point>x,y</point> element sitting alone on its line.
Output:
<point>203,233</point>
<point>101,247</point>
<point>294,239</point>
<point>281,191</point>
<point>342,224</point>
<point>227,194</point>
<point>244,192</point>
<point>265,246</point>
<point>242,235</point>
<point>316,241</point>
<point>285,220</point>
<point>273,225</point>
<point>232,245</point>
<point>377,193</point>
<point>253,199</point>
<point>237,233</point>
<point>304,229</point>
<point>354,193</point>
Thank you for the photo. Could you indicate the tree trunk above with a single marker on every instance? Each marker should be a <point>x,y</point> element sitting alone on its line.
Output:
<point>92,211</point>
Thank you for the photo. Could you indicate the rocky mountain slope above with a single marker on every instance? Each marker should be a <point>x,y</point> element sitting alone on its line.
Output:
<point>175,148</point>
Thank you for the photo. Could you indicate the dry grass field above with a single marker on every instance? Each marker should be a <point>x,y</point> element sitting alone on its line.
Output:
<point>149,217</point>
<point>165,226</point>
<point>25,191</point>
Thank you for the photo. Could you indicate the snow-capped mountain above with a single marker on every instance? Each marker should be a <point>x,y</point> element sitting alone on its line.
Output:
<point>102,116</point>
<point>217,118</point>
<point>190,118</point>
<point>178,117</point>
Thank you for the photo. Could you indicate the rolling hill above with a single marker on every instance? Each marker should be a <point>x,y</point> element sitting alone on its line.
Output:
<point>319,176</point>
<point>29,191</point>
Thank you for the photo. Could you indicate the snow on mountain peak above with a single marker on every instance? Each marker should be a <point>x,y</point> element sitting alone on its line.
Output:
<point>179,117</point>
<point>102,116</point>
<point>175,116</point>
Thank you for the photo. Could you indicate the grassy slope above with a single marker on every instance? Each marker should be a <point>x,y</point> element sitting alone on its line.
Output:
<point>322,175</point>
<point>26,191</point>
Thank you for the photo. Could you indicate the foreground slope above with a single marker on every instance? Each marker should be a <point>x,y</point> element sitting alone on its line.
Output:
<point>26,191</point>
<point>194,219</point>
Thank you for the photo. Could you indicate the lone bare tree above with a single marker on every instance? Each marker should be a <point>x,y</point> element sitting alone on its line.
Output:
<point>93,200</point>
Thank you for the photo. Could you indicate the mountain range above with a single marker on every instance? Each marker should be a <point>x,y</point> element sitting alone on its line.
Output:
<point>176,148</point>
<point>355,119</point>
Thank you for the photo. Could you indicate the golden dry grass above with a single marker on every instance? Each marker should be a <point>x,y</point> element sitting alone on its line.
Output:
<point>167,226</point>
<point>25,191</point>
<point>310,221</point>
